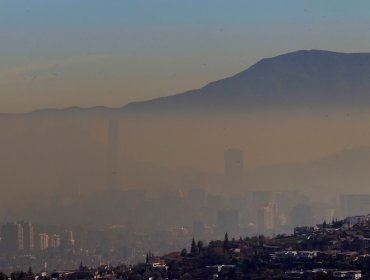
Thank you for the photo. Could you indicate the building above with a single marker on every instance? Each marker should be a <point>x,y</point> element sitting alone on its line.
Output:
<point>43,241</point>
<point>270,219</point>
<point>67,239</point>
<point>55,241</point>
<point>286,200</point>
<point>356,274</point>
<point>28,236</point>
<point>12,238</point>
<point>260,199</point>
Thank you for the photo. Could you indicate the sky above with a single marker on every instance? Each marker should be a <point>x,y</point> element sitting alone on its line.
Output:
<point>56,54</point>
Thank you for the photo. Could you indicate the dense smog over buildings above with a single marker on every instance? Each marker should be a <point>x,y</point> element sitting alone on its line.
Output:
<point>129,129</point>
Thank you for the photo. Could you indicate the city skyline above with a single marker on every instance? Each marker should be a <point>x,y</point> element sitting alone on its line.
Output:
<point>184,139</point>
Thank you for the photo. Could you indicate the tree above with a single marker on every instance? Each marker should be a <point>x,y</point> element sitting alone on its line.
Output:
<point>184,252</point>
<point>337,223</point>
<point>226,241</point>
<point>17,275</point>
<point>324,225</point>
<point>83,267</point>
<point>157,275</point>
<point>186,276</point>
<point>174,270</point>
<point>30,272</point>
<point>322,276</point>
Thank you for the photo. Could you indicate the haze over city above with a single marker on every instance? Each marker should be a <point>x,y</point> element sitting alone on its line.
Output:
<point>129,128</point>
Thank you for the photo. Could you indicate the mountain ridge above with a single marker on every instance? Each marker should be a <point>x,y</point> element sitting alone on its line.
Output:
<point>303,79</point>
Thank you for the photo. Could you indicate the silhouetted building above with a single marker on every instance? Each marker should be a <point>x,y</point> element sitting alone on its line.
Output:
<point>12,238</point>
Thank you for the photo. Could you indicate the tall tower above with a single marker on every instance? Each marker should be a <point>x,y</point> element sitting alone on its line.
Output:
<point>113,154</point>
<point>12,237</point>
<point>28,236</point>
<point>233,169</point>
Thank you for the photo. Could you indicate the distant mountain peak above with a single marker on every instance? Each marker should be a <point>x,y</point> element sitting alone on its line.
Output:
<point>299,79</point>
<point>303,79</point>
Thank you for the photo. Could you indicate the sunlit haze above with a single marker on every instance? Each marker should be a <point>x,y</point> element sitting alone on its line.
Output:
<point>184,140</point>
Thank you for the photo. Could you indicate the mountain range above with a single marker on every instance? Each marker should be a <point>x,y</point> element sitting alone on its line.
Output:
<point>301,79</point>
<point>304,79</point>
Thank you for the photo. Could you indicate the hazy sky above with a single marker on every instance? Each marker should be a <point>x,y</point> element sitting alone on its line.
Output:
<point>86,53</point>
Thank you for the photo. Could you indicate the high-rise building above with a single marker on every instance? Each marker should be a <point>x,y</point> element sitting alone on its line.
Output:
<point>67,240</point>
<point>43,241</point>
<point>267,219</point>
<point>55,241</point>
<point>285,201</point>
<point>270,219</point>
<point>260,199</point>
<point>233,169</point>
<point>12,237</point>
<point>113,151</point>
<point>20,237</point>
<point>28,236</point>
